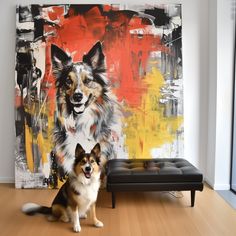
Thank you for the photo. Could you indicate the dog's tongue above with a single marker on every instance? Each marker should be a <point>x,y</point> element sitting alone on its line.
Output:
<point>87,174</point>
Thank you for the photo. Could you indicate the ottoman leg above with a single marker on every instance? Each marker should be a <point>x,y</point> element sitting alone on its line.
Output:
<point>113,199</point>
<point>192,198</point>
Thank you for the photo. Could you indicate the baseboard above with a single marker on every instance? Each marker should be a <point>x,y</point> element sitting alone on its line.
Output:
<point>7,180</point>
<point>217,186</point>
<point>221,187</point>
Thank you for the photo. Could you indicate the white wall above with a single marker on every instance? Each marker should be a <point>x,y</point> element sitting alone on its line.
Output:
<point>224,94</point>
<point>222,22</point>
<point>210,162</point>
<point>7,52</point>
<point>195,72</point>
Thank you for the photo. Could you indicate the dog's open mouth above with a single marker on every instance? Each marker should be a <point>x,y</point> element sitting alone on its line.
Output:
<point>80,107</point>
<point>87,174</point>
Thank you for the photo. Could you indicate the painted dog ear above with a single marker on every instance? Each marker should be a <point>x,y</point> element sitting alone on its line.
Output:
<point>95,58</point>
<point>96,150</point>
<point>78,150</point>
<point>59,60</point>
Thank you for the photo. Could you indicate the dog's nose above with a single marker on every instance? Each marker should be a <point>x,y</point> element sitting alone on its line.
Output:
<point>88,168</point>
<point>77,97</point>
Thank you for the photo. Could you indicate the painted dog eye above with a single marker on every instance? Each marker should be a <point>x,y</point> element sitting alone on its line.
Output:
<point>87,81</point>
<point>69,81</point>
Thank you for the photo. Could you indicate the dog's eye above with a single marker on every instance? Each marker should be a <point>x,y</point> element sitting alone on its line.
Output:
<point>69,81</point>
<point>83,162</point>
<point>92,161</point>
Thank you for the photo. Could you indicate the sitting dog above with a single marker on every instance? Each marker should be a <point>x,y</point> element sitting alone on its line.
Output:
<point>78,194</point>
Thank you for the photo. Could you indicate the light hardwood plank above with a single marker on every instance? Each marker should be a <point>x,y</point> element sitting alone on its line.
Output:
<point>136,214</point>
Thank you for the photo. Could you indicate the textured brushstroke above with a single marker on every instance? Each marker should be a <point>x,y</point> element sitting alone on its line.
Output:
<point>147,128</point>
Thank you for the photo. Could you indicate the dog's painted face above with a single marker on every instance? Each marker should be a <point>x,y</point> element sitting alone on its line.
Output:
<point>87,163</point>
<point>79,84</point>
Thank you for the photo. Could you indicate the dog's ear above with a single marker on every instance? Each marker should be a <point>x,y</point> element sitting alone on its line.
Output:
<point>95,58</point>
<point>97,152</point>
<point>78,150</point>
<point>59,60</point>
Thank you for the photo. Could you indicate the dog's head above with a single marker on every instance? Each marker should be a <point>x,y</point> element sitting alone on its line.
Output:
<point>80,83</point>
<point>87,164</point>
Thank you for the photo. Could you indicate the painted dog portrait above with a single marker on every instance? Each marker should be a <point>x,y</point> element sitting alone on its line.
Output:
<point>95,73</point>
<point>87,111</point>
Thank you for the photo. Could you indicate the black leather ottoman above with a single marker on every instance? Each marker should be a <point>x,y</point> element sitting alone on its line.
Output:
<point>173,174</point>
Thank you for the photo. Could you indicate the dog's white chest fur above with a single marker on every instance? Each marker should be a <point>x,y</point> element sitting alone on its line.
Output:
<point>88,191</point>
<point>80,135</point>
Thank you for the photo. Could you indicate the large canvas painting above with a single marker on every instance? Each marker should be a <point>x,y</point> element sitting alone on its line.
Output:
<point>87,74</point>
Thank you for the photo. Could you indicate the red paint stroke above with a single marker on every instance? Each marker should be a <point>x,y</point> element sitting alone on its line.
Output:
<point>126,53</point>
<point>18,98</point>
<point>93,129</point>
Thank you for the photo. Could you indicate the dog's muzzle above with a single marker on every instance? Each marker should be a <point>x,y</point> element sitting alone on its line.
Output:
<point>78,102</point>
<point>87,171</point>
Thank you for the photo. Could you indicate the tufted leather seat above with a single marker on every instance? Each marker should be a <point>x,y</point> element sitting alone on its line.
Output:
<point>162,174</point>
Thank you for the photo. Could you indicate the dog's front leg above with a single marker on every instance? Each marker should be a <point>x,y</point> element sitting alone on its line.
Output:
<point>96,222</point>
<point>75,219</point>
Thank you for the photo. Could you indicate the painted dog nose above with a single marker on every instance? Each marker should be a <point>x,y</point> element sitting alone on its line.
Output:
<point>87,168</point>
<point>77,97</point>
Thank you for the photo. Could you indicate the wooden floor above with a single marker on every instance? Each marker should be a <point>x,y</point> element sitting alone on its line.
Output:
<point>136,214</point>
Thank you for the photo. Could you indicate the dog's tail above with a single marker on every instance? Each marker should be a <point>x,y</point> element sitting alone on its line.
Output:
<point>33,208</point>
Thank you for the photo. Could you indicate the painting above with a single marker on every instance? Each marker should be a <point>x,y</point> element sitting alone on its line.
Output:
<point>108,74</point>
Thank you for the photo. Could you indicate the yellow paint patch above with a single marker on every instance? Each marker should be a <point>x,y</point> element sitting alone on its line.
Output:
<point>28,147</point>
<point>43,138</point>
<point>146,127</point>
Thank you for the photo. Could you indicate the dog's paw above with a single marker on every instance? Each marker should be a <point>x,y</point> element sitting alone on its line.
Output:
<point>98,224</point>
<point>83,216</point>
<point>65,219</point>
<point>76,228</point>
